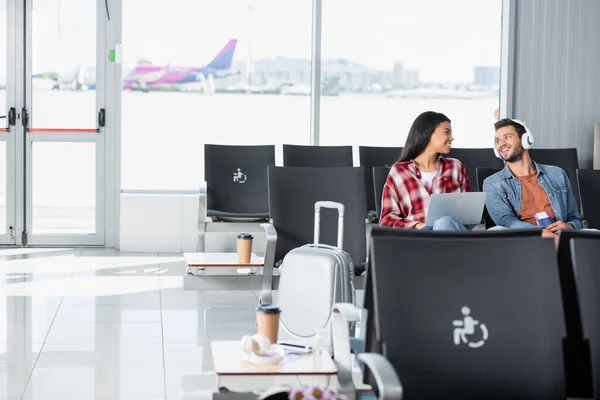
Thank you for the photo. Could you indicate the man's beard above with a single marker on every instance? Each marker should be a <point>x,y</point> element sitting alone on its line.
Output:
<point>517,155</point>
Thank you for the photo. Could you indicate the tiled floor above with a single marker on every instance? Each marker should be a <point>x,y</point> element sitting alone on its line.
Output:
<point>99,324</point>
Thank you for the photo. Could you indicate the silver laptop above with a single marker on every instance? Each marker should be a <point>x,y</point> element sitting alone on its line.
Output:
<point>465,207</point>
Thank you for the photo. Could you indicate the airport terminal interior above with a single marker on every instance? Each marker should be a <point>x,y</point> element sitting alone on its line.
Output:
<point>192,200</point>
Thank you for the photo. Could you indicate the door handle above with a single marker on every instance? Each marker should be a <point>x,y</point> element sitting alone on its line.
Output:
<point>12,116</point>
<point>101,119</point>
<point>25,118</point>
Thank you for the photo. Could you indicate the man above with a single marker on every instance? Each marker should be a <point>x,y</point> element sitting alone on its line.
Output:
<point>524,190</point>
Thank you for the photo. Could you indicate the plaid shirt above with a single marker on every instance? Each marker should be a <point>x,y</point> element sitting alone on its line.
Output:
<point>405,197</point>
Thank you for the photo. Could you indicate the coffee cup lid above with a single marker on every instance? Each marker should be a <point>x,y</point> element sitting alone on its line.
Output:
<point>244,235</point>
<point>268,309</point>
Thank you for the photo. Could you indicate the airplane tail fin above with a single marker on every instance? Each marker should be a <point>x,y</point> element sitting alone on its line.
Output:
<point>224,59</point>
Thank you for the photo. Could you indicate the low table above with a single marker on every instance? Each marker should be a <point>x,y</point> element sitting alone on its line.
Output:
<point>227,359</point>
<point>222,271</point>
<point>203,260</point>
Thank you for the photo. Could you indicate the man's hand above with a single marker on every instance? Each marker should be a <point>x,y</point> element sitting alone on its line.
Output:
<point>419,225</point>
<point>558,225</point>
<point>549,234</point>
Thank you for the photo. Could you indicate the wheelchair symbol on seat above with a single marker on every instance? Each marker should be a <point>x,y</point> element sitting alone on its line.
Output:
<point>239,176</point>
<point>465,327</point>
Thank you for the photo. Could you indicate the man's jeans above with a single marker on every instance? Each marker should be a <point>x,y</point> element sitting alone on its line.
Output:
<point>446,224</point>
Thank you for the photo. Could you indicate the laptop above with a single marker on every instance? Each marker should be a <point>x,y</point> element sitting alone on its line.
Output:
<point>467,208</point>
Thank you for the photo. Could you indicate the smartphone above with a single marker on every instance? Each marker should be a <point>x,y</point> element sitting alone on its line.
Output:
<point>296,348</point>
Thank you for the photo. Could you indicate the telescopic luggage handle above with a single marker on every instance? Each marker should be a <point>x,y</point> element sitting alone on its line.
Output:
<point>334,205</point>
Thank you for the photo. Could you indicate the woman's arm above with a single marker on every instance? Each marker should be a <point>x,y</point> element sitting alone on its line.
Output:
<point>391,212</point>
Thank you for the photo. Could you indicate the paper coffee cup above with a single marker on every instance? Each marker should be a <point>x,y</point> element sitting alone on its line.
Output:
<point>267,321</point>
<point>244,247</point>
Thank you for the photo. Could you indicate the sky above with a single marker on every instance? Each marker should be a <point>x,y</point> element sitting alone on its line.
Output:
<point>444,40</point>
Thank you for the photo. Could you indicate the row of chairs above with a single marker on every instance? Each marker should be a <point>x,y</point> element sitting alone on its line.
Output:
<point>512,322</point>
<point>236,176</point>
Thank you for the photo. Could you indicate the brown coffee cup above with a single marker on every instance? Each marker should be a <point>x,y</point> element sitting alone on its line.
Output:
<point>244,247</point>
<point>267,321</point>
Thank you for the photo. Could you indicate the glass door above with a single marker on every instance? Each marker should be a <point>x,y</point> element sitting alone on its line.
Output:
<point>63,122</point>
<point>7,121</point>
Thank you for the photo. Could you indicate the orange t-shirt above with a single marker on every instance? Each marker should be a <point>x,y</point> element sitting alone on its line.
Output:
<point>534,200</point>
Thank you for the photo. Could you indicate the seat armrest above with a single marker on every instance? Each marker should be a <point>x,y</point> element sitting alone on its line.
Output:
<point>343,314</point>
<point>271,243</point>
<point>388,384</point>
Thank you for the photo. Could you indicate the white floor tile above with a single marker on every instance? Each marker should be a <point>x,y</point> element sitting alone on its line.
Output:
<point>13,381</point>
<point>24,332</point>
<point>104,333</point>
<point>103,354</point>
<point>101,313</point>
<point>133,298</point>
<point>188,357</point>
<point>87,383</point>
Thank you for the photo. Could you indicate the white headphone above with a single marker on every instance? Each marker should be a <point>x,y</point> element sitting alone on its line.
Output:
<point>257,349</point>
<point>526,139</point>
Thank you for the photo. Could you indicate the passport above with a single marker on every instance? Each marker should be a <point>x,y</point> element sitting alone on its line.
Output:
<point>543,219</point>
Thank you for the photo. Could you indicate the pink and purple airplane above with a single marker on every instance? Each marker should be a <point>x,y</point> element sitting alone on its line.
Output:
<point>149,77</point>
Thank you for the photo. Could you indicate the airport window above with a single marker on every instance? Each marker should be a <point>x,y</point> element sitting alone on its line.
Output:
<point>222,72</point>
<point>386,61</point>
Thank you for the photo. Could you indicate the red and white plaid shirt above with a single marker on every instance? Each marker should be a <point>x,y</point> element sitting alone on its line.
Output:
<point>405,198</point>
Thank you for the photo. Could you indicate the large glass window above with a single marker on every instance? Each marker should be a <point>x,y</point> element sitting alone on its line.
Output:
<point>196,72</point>
<point>386,61</point>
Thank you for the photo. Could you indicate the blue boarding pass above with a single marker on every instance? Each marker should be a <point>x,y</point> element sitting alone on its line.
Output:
<point>543,219</point>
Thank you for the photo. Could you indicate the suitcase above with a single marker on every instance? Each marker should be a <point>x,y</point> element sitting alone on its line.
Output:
<point>312,279</point>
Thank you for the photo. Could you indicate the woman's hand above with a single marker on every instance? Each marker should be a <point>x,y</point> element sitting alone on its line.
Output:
<point>419,225</point>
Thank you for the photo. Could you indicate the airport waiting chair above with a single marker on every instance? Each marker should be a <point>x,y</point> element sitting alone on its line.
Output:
<point>563,158</point>
<point>293,193</point>
<point>478,327</point>
<point>482,174</point>
<point>376,157</point>
<point>578,370</point>
<point>474,158</point>
<point>317,156</point>
<point>585,253</point>
<point>236,182</point>
<point>588,181</point>
<point>380,175</point>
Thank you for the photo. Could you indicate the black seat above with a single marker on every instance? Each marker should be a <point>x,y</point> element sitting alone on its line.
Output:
<point>317,156</point>
<point>293,192</point>
<point>376,157</point>
<point>578,370</point>
<point>563,158</point>
<point>236,181</point>
<point>483,173</point>
<point>474,158</point>
<point>421,283</point>
<point>380,175</point>
<point>585,253</point>
<point>588,181</point>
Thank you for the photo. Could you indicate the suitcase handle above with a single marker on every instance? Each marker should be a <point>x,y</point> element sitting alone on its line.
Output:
<point>330,204</point>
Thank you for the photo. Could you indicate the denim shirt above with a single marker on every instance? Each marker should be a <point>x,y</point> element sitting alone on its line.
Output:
<point>504,196</point>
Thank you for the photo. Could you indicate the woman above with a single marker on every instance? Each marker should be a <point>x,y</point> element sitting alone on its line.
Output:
<point>420,172</point>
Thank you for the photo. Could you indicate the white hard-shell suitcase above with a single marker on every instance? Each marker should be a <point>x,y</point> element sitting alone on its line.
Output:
<point>313,278</point>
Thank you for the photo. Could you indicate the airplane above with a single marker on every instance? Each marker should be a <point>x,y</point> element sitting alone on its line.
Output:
<point>148,77</point>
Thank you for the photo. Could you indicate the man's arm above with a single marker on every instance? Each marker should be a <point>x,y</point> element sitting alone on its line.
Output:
<point>573,217</point>
<point>500,210</point>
